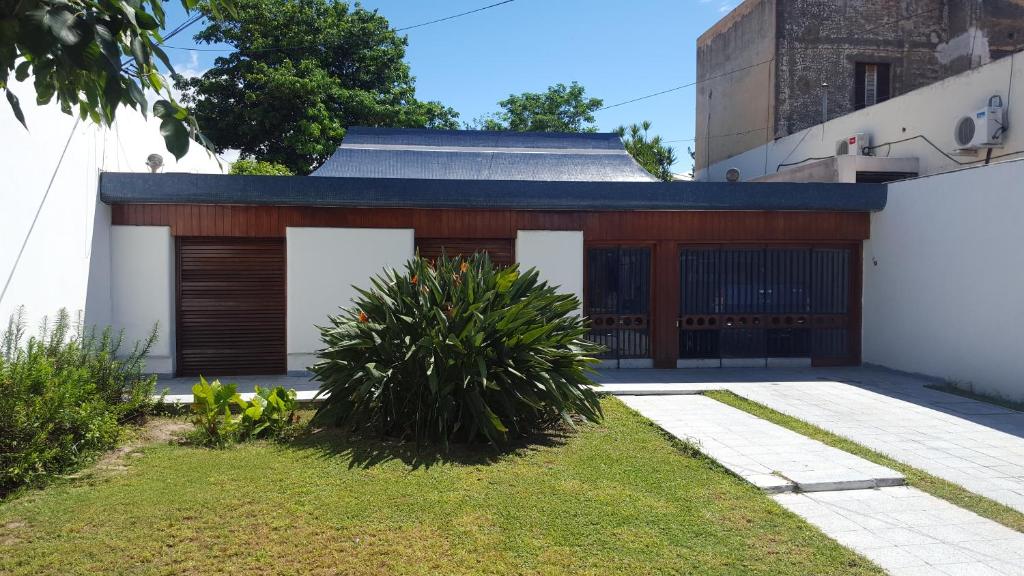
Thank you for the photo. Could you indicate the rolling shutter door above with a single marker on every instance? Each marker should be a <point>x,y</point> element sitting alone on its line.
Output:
<point>231,306</point>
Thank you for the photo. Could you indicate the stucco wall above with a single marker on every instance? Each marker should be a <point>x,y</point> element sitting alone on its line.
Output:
<point>65,262</point>
<point>142,287</point>
<point>735,110</point>
<point>557,255</point>
<point>930,112</point>
<point>323,265</point>
<point>944,279</point>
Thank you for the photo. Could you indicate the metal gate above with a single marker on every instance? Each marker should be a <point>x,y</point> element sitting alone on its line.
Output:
<point>619,300</point>
<point>765,302</point>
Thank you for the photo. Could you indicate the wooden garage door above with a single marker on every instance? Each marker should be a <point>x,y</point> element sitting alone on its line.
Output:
<point>499,249</point>
<point>230,306</point>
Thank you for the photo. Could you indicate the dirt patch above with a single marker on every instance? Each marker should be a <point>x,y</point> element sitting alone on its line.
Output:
<point>9,533</point>
<point>155,431</point>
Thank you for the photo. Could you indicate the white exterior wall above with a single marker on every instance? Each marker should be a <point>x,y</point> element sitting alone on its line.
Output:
<point>323,265</point>
<point>142,287</point>
<point>944,279</point>
<point>66,258</point>
<point>557,255</point>
<point>930,111</point>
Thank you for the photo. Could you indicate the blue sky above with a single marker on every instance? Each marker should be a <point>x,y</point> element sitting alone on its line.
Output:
<point>617,50</point>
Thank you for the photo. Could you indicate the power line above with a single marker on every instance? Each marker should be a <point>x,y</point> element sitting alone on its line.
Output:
<point>688,85</point>
<point>623,103</point>
<point>324,44</point>
<point>716,136</point>
<point>453,16</point>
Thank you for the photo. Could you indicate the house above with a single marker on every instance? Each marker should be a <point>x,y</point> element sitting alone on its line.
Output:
<point>239,270</point>
<point>771,68</point>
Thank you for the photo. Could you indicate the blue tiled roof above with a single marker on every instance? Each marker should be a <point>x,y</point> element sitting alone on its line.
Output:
<point>482,155</point>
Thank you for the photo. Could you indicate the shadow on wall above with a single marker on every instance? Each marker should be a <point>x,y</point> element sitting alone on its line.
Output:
<point>98,304</point>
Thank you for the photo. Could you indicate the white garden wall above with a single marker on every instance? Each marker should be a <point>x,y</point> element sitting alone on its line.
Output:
<point>944,279</point>
<point>323,265</point>
<point>557,255</point>
<point>65,258</point>
<point>142,288</point>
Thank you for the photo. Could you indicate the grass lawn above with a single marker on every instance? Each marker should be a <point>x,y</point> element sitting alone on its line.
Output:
<point>617,498</point>
<point>917,478</point>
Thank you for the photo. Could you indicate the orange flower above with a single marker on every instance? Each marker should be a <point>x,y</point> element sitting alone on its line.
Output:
<point>363,317</point>
<point>464,266</point>
<point>415,279</point>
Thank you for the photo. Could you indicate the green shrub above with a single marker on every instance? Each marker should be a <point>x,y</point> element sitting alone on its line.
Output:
<point>65,397</point>
<point>267,415</point>
<point>251,167</point>
<point>456,351</point>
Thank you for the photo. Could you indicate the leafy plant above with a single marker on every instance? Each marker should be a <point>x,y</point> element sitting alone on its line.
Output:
<point>95,56</point>
<point>250,167</point>
<point>66,395</point>
<point>267,415</point>
<point>651,153</point>
<point>456,350</point>
<point>270,412</point>
<point>561,109</point>
<point>211,412</point>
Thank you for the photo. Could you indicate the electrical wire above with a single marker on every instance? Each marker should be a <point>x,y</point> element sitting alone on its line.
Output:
<point>39,210</point>
<point>325,44</point>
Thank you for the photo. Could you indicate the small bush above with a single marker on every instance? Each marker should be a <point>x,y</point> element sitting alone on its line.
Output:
<point>66,395</point>
<point>267,415</point>
<point>457,351</point>
<point>251,167</point>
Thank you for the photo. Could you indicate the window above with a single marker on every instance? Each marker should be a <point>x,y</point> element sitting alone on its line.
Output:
<point>871,84</point>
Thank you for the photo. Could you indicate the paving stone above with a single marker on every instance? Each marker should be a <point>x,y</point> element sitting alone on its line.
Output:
<point>902,538</point>
<point>769,456</point>
<point>974,444</point>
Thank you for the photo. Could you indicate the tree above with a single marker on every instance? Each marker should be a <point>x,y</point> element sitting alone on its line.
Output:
<point>303,71</point>
<point>650,153</point>
<point>94,56</point>
<point>561,109</point>
<point>250,167</point>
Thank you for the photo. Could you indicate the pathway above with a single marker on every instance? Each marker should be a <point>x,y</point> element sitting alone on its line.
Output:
<point>858,503</point>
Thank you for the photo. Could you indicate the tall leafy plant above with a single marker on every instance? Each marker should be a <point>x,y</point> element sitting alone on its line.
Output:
<point>456,350</point>
<point>66,393</point>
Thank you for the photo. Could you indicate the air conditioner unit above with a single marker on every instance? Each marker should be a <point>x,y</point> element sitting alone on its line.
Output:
<point>982,129</point>
<point>853,145</point>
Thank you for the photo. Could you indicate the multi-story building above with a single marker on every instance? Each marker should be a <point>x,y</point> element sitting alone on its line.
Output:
<point>773,67</point>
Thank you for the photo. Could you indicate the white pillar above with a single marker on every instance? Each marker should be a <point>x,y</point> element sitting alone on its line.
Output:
<point>323,265</point>
<point>142,290</point>
<point>556,254</point>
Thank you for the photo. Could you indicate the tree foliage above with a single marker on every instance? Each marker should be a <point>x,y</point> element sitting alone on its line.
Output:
<point>302,71</point>
<point>561,109</point>
<point>250,167</point>
<point>649,152</point>
<point>94,56</point>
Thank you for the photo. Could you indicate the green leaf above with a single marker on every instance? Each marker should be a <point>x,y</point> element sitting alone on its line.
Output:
<point>175,136</point>
<point>146,21</point>
<point>163,109</point>
<point>16,107</point>
<point>60,21</point>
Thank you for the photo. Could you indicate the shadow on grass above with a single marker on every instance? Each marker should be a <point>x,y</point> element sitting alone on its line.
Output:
<point>367,450</point>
